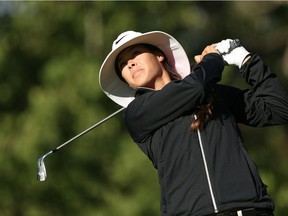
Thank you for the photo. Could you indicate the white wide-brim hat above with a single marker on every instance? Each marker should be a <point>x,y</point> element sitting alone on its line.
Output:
<point>119,91</point>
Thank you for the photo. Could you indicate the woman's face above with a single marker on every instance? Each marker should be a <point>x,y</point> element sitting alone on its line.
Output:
<point>140,67</point>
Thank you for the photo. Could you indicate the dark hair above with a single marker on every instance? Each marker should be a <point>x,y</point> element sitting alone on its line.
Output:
<point>204,114</point>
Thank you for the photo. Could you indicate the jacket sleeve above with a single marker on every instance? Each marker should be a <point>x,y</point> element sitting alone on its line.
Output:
<point>266,102</point>
<point>152,110</point>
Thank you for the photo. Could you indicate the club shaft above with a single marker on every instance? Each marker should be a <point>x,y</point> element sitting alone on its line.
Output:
<point>87,130</point>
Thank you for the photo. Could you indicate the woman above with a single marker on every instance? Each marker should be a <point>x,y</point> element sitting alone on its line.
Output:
<point>186,123</point>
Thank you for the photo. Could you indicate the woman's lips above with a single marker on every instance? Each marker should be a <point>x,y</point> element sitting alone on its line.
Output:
<point>136,73</point>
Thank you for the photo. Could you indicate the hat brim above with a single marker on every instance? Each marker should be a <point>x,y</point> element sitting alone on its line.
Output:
<point>121,92</point>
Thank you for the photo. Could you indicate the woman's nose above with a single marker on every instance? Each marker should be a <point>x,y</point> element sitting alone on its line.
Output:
<point>131,65</point>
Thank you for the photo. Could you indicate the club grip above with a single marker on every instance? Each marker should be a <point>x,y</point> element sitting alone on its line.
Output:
<point>234,44</point>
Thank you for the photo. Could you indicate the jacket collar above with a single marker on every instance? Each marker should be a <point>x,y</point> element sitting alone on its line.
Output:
<point>143,90</point>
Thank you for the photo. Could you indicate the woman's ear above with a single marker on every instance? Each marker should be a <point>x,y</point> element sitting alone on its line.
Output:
<point>160,58</point>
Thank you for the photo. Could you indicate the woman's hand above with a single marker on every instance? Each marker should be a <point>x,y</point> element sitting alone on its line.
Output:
<point>237,56</point>
<point>208,49</point>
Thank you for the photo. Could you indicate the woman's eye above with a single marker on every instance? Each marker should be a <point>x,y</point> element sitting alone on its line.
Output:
<point>136,53</point>
<point>122,65</point>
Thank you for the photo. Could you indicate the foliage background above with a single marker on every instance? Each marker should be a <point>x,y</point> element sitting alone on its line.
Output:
<point>50,55</point>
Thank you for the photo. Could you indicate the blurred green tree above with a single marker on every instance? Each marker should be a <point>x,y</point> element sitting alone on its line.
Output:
<point>50,55</point>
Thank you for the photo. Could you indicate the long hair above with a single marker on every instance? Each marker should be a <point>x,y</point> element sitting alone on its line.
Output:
<point>204,111</point>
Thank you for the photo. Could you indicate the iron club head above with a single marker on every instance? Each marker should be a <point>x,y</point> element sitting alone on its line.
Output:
<point>41,170</point>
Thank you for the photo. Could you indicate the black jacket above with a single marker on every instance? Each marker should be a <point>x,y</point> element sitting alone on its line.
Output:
<point>210,171</point>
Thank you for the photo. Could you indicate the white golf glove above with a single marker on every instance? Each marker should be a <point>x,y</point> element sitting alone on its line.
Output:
<point>235,56</point>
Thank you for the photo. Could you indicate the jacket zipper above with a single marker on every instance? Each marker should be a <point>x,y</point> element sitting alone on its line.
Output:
<point>206,170</point>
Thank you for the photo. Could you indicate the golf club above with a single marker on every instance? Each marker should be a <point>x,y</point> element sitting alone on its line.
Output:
<point>233,44</point>
<point>41,170</point>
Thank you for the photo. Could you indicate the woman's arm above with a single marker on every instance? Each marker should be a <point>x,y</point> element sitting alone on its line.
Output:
<point>152,110</point>
<point>266,103</point>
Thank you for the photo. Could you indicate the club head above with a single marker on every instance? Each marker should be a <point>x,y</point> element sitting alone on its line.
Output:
<point>41,170</point>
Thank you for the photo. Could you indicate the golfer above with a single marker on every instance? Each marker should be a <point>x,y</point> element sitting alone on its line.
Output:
<point>186,123</point>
